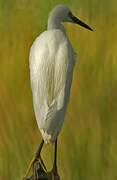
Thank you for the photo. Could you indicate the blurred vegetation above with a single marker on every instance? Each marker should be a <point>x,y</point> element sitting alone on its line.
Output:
<point>87,142</point>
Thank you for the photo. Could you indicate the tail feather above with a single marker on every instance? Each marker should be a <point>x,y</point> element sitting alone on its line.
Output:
<point>49,135</point>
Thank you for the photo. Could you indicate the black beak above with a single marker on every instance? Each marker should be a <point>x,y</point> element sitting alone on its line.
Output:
<point>78,21</point>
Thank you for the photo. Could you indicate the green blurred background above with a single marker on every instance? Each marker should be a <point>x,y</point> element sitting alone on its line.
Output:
<point>88,140</point>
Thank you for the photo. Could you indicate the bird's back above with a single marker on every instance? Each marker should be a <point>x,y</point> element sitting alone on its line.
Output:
<point>51,66</point>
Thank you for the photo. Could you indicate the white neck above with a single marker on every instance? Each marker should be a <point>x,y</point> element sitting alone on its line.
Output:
<point>54,24</point>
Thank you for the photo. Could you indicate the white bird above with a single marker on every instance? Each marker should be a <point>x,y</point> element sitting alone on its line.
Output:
<point>52,61</point>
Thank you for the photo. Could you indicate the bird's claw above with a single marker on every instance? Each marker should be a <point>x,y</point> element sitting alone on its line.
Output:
<point>38,168</point>
<point>54,174</point>
<point>42,163</point>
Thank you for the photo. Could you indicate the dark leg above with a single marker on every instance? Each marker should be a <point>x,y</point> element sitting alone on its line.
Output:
<point>37,154</point>
<point>55,159</point>
<point>36,158</point>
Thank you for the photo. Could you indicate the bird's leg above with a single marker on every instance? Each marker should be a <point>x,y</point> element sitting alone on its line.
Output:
<point>54,169</point>
<point>37,157</point>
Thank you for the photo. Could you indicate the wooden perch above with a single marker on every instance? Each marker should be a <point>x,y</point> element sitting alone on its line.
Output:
<point>38,173</point>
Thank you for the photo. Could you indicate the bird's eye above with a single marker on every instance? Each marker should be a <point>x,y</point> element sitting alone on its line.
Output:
<point>70,14</point>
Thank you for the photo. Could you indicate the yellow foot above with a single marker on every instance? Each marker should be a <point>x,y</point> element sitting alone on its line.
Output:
<point>32,163</point>
<point>29,168</point>
<point>52,176</point>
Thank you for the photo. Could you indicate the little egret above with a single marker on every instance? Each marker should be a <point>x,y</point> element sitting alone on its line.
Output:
<point>52,61</point>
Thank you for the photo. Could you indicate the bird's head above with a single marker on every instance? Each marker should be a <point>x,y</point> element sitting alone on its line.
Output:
<point>62,13</point>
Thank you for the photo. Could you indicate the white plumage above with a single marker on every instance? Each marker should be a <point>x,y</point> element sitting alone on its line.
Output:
<point>52,60</point>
